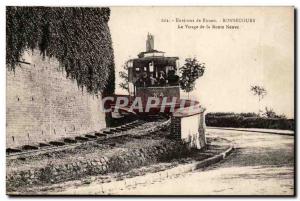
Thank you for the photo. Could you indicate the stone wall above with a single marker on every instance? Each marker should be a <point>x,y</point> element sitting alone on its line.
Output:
<point>165,151</point>
<point>189,129</point>
<point>43,105</point>
<point>176,128</point>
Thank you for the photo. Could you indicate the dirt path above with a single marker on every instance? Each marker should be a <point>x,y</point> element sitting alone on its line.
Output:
<point>262,165</point>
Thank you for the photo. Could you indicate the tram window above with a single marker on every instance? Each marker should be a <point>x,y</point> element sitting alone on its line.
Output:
<point>130,64</point>
<point>151,67</point>
<point>145,68</point>
<point>137,69</point>
<point>169,68</point>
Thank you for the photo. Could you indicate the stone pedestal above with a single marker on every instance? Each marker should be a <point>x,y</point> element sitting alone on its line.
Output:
<point>190,129</point>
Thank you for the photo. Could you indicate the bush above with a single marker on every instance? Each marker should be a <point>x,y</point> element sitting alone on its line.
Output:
<point>247,120</point>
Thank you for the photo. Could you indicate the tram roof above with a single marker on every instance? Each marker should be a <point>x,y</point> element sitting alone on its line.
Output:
<point>142,54</point>
<point>160,60</point>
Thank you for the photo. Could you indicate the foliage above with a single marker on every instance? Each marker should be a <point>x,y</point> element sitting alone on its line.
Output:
<point>246,120</point>
<point>189,73</point>
<point>78,37</point>
<point>218,114</point>
<point>109,88</point>
<point>249,114</point>
<point>259,91</point>
<point>269,113</point>
<point>124,76</point>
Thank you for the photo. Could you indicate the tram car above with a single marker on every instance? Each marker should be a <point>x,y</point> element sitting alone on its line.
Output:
<point>150,75</point>
<point>153,74</point>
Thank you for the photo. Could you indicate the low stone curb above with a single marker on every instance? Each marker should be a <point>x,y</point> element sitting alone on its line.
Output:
<point>116,186</point>
<point>253,131</point>
<point>214,159</point>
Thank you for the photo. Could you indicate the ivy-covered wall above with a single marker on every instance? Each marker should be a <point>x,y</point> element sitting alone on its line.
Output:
<point>78,37</point>
<point>59,61</point>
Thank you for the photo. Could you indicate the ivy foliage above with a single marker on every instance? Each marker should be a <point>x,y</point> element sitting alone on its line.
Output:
<point>79,37</point>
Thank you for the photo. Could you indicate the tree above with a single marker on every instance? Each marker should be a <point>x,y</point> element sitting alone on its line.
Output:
<point>260,92</point>
<point>124,76</point>
<point>269,113</point>
<point>189,73</point>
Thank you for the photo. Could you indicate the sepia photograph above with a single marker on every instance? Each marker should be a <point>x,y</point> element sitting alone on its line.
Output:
<point>150,100</point>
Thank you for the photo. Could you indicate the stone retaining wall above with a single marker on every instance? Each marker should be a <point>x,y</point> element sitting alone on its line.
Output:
<point>43,105</point>
<point>166,150</point>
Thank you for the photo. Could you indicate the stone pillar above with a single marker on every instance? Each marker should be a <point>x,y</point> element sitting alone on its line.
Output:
<point>190,129</point>
<point>176,128</point>
<point>201,129</point>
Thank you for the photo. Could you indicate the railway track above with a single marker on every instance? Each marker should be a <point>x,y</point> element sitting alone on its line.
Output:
<point>69,142</point>
<point>72,142</point>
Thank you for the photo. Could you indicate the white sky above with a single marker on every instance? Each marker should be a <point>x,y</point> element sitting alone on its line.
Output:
<point>260,53</point>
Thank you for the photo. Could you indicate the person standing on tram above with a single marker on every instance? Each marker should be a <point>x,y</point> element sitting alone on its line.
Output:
<point>162,79</point>
<point>153,81</point>
<point>145,80</point>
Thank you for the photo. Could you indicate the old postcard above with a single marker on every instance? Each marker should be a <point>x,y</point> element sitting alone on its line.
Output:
<point>150,101</point>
